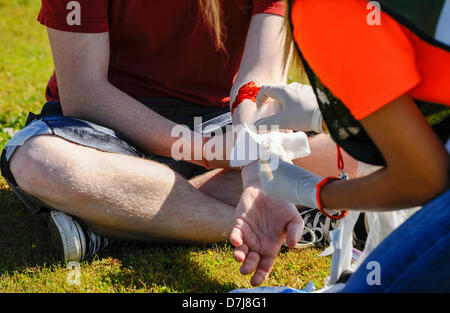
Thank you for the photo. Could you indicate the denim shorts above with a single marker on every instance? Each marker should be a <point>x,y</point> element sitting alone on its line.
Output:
<point>52,122</point>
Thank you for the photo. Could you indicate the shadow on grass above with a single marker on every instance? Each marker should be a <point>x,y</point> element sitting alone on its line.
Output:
<point>164,268</point>
<point>23,236</point>
<point>25,243</point>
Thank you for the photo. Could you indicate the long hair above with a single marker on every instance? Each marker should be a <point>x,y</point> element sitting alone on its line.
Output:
<point>211,12</point>
<point>212,15</point>
<point>291,55</point>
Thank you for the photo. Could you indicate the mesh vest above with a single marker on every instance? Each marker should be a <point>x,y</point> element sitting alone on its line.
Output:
<point>425,19</point>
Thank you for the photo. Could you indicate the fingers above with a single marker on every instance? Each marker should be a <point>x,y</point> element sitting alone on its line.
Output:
<point>253,263</point>
<point>266,92</point>
<point>263,271</point>
<point>260,267</point>
<point>250,263</point>
<point>294,231</point>
<point>262,96</point>
<point>240,253</point>
<point>242,231</point>
<point>236,237</point>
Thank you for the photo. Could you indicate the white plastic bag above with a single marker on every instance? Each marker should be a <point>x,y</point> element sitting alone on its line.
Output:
<point>380,225</point>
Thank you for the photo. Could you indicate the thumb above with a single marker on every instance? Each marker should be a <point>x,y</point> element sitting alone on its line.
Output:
<point>294,231</point>
<point>268,91</point>
<point>236,237</point>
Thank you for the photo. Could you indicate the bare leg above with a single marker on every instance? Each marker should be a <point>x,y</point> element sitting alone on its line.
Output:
<point>131,198</point>
<point>221,184</point>
<point>323,158</point>
<point>119,196</point>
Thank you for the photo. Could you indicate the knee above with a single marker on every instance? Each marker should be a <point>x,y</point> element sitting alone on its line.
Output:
<point>33,166</point>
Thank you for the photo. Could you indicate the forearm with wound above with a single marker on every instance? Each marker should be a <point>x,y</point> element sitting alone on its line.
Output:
<point>102,103</point>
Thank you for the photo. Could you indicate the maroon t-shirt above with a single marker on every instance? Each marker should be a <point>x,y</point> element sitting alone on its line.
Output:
<point>162,47</point>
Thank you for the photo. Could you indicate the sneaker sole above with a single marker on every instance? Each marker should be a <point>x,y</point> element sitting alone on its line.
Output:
<point>67,236</point>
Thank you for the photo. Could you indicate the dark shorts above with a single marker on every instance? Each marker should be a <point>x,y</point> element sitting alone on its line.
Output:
<point>51,122</point>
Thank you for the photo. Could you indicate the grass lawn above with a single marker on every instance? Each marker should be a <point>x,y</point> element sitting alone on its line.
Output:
<point>27,263</point>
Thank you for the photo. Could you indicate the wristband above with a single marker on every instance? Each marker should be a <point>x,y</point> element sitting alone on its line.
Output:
<point>248,91</point>
<point>319,187</point>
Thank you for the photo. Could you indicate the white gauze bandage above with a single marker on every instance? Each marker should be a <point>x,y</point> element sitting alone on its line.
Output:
<point>250,146</point>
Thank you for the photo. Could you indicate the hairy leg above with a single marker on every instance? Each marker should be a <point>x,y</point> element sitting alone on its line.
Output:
<point>221,184</point>
<point>119,196</point>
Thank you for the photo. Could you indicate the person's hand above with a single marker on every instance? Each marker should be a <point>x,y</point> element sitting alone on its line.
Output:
<point>289,182</point>
<point>300,110</point>
<point>262,225</point>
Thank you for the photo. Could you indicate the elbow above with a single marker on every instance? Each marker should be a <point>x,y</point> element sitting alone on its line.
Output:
<point>439,179</point>
<point>73,103</point>
<point>76,100</point>
<point>424,187</point>
<point>432,189</point>
<point>71,108</point>
<point>441,183</point>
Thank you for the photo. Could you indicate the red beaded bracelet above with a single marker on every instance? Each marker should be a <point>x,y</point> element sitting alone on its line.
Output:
<point>248,91</point>
<point>319,186</point>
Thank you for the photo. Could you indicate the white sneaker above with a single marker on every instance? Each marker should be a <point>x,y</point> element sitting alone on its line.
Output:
<point>320,225</point>
<point>316,231</point>
<point>72,239</point>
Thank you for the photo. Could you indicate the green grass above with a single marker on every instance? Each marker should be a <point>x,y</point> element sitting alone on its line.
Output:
<point>25,62</point>
<point>27,261</point>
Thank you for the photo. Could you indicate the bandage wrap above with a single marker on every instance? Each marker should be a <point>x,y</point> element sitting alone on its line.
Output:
<point>250,146</point>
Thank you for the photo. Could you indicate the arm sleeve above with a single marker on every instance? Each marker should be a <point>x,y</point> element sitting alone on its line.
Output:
<point>269,7</point>
<point>365,66</point>
<point>82,16</point>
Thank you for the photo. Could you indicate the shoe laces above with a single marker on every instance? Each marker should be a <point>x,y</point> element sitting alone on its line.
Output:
<point>96,242</point>
<point>318,224</point>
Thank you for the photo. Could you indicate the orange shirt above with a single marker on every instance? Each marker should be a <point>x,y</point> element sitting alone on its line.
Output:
<point>366,66</point>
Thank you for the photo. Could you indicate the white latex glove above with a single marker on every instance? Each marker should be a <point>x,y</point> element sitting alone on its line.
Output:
<point>300,110</point>
<point>289,182</point>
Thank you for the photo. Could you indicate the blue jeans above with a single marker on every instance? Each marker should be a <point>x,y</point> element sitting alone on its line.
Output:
<point>414,258</point>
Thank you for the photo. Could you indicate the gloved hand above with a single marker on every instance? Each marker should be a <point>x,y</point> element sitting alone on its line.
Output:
<point>300,110</point>
<point>289,182</point>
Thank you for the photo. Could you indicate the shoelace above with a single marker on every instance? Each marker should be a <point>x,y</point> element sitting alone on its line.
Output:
<point>97,242</point>
<point>321,227</point>
<point>314,227</point>
<point>306,243</point>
